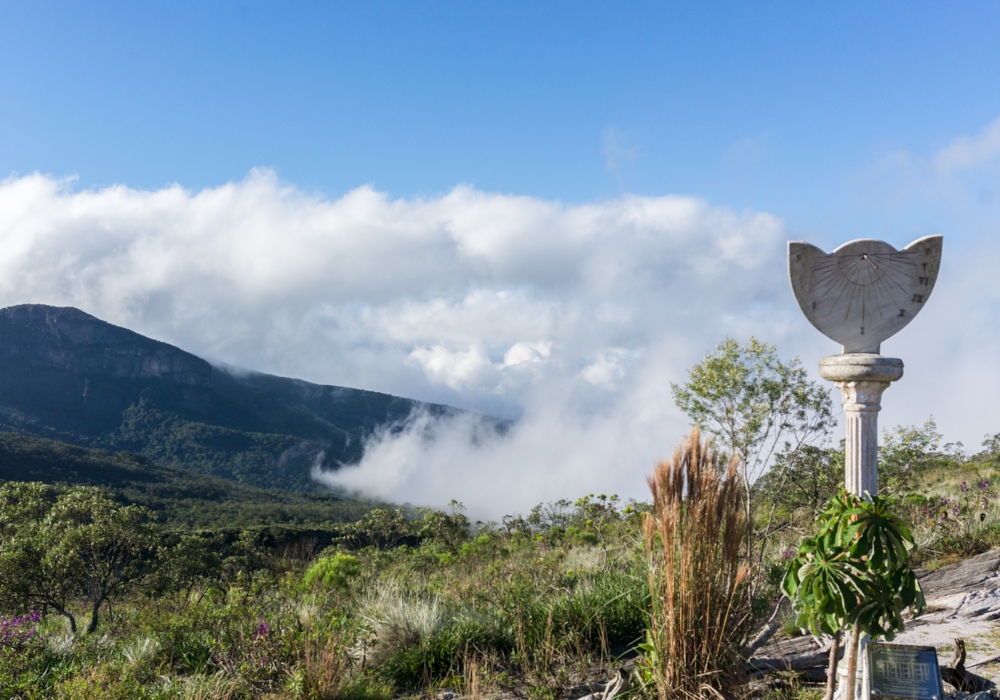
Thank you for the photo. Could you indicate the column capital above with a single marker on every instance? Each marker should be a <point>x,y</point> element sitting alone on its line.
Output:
<point>862,396</point>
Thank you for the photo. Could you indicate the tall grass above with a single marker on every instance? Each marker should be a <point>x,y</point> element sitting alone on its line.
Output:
<point>700,605</point>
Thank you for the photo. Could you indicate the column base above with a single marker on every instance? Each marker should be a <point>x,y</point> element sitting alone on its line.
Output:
<point>861,675</point>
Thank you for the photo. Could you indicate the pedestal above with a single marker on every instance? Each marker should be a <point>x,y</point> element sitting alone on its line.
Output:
<point>861,378</point>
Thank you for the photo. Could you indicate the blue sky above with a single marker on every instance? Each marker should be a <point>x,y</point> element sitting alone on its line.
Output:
<point>538,210</point>
<point>774,106</point>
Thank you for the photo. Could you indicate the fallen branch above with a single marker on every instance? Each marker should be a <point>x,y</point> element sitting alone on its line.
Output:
<point>960,677</point>
<point>769,629</point>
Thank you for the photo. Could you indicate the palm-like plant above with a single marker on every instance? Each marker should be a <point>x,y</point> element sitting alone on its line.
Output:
<point>854,573</point>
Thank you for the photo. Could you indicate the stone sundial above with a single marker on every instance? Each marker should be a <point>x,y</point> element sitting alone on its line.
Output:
<point>859,295</point>
<point>865,291</point>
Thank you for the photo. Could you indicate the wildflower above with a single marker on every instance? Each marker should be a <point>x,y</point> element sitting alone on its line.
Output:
<point>985,484</point>
<point>15,632</point>
<point>263,630</point>
<point>963,487</point>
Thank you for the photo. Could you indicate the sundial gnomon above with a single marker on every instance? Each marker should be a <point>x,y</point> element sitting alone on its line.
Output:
<point>865,291</point>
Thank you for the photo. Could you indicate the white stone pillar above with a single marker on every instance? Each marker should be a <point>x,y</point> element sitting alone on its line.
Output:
<point>861,378</point>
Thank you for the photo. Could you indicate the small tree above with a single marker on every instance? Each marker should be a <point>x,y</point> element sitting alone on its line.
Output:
<point>447,530</point>
<point>854,573</point>
<point>56,545</point>
<point>109,540</point>
<point>754,404</point>
<point>379,528</point>
<point>32,574</point>
<point>905,454</point>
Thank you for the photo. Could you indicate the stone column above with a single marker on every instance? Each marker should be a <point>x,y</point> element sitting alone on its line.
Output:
<point>861,378</point>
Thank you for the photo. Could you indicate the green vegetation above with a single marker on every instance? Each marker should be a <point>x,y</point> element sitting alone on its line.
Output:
<point>854,573</point>
<point>181,499</point>
<point>405,602</point>
<point>206,615</point>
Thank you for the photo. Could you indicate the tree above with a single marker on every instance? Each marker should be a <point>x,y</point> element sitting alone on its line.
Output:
<point>32,573</point>
<point>804,479</point>
<point>379,528</point>
<point>56,545</point>
<point>753,404</point>
<point>448,530</point>
<point>905,453</point>
<point>188,561</point>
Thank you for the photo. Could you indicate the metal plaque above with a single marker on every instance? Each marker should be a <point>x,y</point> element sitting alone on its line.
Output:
<point>903,672</point>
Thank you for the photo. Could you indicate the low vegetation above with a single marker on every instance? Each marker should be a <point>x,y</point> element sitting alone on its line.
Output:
<point>418,601</point>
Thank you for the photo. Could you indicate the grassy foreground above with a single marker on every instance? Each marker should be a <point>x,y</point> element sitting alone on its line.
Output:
<point>425,603</point>
<point>534,603</point>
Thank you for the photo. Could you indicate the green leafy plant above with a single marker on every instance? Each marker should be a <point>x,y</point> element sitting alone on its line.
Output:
<point>854,573</point>
<point>334,571</point>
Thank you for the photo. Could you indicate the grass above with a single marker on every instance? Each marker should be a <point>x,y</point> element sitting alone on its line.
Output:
<point>700,604</point>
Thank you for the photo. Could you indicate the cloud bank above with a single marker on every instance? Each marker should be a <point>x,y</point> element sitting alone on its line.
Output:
<point>574,319</point>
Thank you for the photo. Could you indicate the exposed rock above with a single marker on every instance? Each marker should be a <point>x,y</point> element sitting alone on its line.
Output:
<point>69,340</point>
<point>969,589</point>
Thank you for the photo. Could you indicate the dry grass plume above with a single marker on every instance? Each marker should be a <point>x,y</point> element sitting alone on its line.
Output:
<point>700,601</point>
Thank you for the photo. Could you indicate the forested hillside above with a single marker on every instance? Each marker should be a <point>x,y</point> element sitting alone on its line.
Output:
<point>181,499</point>
<point>69,376</point>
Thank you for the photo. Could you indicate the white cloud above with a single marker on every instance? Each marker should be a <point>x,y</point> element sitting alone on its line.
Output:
<point>607,369</point>
<point>459,370</point>
<point>575,318</point>
<point>968,152</point>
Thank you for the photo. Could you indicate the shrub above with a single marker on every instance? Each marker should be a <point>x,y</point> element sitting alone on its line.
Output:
<point>333,571</point>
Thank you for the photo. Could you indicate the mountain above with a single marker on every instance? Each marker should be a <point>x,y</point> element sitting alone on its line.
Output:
<point>182,499</point>
<point>69,376</point>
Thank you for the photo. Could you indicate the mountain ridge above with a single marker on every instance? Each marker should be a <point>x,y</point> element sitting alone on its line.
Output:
<point>69,376</point>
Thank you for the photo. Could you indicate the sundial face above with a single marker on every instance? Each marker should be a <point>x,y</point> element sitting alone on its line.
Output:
<point>865,291</point>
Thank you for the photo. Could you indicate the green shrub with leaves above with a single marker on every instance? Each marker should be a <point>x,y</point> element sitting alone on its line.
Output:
<point>333,571</point>
<point>854,573</point>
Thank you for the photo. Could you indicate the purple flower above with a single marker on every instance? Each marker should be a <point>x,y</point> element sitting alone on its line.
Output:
<point>16,631</point>
<point>985,484</point>
<point>788,554</point>
<point>263,630</point>
<point>963,487</point>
